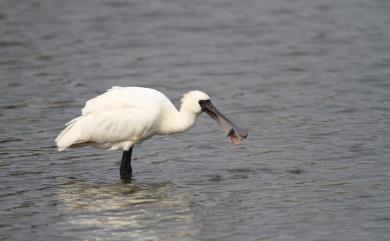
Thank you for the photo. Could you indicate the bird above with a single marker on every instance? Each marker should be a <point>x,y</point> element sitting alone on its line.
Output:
<point>122,117</point>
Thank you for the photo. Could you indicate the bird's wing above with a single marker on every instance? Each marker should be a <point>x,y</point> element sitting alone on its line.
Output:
<point>107,129</point>
<point>122,124</point>
<point>129,114</point>
<point>123,97</point>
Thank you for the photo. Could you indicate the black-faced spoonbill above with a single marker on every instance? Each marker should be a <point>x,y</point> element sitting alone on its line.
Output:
<point>125,116</point>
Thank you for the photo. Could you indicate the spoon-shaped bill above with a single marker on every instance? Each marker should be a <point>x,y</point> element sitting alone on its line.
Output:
<point>234,132</point>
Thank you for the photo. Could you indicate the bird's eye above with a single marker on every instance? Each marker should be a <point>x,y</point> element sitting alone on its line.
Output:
<point>202,102</point>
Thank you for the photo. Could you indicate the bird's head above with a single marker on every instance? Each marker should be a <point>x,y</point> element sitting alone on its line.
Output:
<point>198,102</point>
<point>190,101</point>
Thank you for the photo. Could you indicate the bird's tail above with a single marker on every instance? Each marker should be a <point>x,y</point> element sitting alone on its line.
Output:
<point>71,135</point>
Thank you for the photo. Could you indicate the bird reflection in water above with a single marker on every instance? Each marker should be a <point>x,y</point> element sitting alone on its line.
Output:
<point>135,211</point>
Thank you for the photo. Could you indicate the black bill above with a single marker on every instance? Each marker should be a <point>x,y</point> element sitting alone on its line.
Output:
<point>234,132</point>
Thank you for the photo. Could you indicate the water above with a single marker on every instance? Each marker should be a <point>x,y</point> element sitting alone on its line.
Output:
<point>309,79</point>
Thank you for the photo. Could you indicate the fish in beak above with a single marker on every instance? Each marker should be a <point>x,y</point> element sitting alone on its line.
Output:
<point>234,132</point>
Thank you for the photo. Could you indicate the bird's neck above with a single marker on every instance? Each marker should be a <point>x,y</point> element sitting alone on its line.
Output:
<point>178,121</point>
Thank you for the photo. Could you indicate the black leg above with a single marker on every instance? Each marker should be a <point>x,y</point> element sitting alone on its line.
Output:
<point>125,169</point>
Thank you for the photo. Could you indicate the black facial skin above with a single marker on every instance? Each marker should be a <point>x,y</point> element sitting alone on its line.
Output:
<point>228,126</point>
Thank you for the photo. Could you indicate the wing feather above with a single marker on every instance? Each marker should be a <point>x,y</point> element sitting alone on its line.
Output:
<point>120,117</point>
<point>108,129</point>
<point>124,97</point>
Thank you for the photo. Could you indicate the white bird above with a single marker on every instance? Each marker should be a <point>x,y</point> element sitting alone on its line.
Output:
<point>125,116</point>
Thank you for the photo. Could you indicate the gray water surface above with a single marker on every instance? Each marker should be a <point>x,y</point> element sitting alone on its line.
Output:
<point>309,79</point>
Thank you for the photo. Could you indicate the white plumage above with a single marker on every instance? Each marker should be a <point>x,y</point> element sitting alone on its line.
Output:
<point>124,116</point>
